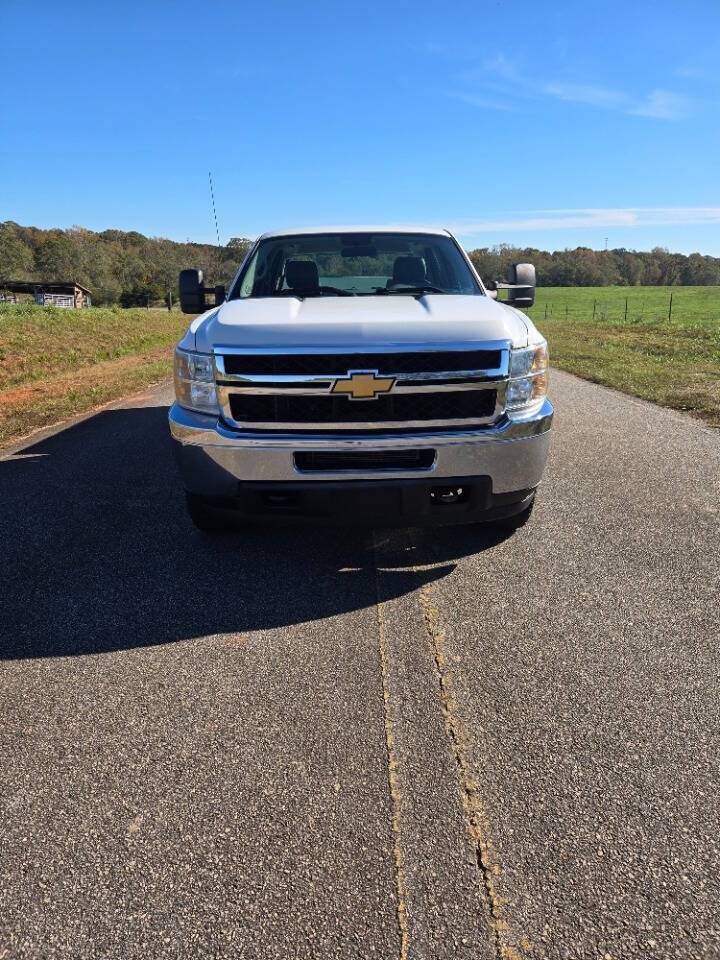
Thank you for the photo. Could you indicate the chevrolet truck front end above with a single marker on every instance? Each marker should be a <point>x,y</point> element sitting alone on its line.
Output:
<point>457,432</point>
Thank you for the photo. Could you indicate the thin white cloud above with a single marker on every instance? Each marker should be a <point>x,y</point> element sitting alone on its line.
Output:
<point>663,105</point>
<point>501,67</point>
<point>500,76</point>
<point>626,217</point>
<point>583,93</point>
<point>488,102</point>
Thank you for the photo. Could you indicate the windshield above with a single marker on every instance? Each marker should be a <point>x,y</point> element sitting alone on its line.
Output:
<point>357,264</point>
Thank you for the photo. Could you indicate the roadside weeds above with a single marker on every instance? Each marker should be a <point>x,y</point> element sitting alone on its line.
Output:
<point>32,406</point>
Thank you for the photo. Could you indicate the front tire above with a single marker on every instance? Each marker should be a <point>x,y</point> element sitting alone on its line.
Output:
<point>204,516</point>
<point>517,520</point>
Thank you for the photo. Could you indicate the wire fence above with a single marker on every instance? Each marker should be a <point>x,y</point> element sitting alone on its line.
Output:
<point>638,305</point>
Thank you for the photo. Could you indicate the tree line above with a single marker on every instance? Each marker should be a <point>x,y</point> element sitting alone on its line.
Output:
<point>583,267</point>
<point>116,266</point>
<point>131,269</point>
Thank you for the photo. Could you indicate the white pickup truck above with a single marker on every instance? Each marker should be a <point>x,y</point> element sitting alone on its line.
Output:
<point>361,374</point>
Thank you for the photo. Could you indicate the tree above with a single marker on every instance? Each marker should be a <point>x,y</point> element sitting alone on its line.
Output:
<point>16,257</point>
<point>56,258</point>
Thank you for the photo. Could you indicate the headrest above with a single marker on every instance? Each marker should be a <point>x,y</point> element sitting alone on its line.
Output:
<point>301,274</point>
<point>409,270</point>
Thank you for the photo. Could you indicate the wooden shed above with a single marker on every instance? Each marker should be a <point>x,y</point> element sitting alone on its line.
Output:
<point>70,294</point>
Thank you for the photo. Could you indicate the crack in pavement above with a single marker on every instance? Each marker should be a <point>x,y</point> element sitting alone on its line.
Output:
<point>392,768</point>
<point>476,820</point>
<point>443,905</point>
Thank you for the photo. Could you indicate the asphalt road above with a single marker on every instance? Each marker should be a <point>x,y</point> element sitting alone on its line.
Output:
<point>337,743</point>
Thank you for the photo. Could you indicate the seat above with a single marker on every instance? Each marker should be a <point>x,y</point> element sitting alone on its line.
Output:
<point>302,276</point>
<point>408,270</point>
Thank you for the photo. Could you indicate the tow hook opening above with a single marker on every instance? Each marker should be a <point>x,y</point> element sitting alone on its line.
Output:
<point>445,496</point>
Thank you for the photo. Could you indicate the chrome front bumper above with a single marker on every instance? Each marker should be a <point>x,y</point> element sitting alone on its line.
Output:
<point>213,458</point>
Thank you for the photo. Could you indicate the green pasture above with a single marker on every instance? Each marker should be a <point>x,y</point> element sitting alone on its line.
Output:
<point>635,340</point>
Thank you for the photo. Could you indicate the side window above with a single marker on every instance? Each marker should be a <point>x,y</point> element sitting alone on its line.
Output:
<point>263,273</point>
<point>248,282</point>
<point>434,268</point>
<point>440,272</point>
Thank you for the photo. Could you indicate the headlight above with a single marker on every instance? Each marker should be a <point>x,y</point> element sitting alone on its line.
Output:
<point>528,377</point>
<point>195,381</point>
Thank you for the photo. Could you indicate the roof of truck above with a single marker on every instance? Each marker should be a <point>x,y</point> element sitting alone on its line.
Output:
<point>357,228</point>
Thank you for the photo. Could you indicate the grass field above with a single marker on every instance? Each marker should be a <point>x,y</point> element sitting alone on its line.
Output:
<point>673,361</point>
<point>55,363</point>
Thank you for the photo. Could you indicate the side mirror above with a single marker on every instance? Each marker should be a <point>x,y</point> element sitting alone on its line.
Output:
<point>491,288</point>
<point>192,291</point>
<point>521,281</point>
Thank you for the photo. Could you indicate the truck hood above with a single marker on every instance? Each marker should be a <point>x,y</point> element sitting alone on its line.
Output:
<point>343,322</point>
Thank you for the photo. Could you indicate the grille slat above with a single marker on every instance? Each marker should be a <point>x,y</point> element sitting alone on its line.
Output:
<point>338,364</point>
<point>473,405</point>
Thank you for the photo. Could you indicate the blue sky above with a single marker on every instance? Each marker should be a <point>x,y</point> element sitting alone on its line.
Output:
<point>545,124</point>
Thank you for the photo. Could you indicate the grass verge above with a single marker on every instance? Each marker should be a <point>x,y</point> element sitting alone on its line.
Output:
<point>57,363</point>
<point>671,358</point>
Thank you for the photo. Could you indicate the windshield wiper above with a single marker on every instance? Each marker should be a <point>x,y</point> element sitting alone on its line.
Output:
<point>319,292</point>
<point>410,289</point>
<point>337,291</point>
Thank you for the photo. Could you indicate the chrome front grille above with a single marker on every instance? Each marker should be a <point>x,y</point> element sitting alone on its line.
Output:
<point>295,391</point>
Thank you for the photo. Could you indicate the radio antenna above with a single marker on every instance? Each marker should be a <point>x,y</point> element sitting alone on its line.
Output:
<point>212,197</point>
<point>217,230</point>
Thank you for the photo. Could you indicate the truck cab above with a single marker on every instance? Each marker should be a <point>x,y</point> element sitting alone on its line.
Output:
<point>361,374</point>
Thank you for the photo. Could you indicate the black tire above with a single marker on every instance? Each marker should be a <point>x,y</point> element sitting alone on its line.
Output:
<point>203,516</point>
<point>517,520</point>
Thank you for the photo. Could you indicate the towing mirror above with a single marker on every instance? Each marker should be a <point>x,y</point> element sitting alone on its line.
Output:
<point>192,292</point>
<point>521,284</point>
<point>491,288</point>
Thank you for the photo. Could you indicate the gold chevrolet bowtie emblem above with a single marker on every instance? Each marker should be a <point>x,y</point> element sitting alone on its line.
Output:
<point>363,386</point>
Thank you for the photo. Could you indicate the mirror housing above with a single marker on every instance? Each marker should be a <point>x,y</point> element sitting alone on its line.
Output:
<point>521,285</point>
<point>191,287</point>
<point>192,291</point>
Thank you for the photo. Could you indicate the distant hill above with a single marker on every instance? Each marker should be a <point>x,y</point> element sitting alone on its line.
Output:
<point>131,269</point>
<point>583,267</point>
<point>116,266</point>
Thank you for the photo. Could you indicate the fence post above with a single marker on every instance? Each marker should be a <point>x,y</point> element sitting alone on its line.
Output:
<point>566,311</point>
<point>594,305</point>
<point>670,309</point>
<point>626,299</point>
